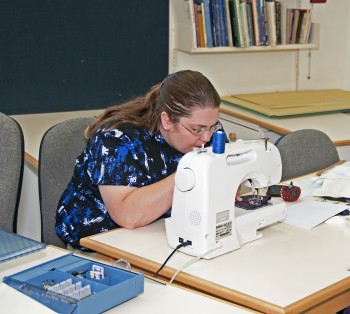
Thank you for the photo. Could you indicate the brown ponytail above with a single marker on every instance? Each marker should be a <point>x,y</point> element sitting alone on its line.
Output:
<point>177,95</point>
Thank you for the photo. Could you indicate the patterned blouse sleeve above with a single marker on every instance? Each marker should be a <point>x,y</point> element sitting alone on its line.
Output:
<point>110,160</point>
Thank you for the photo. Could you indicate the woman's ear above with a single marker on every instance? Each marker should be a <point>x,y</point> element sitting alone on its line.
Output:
<point>166,124</point>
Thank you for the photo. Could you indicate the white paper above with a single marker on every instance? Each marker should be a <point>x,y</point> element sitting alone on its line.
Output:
<point>310,213</point>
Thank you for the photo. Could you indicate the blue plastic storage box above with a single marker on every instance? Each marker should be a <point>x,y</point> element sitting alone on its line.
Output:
<point>73,284</point>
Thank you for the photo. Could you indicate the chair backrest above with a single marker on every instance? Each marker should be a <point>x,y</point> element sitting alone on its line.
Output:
<point>305,151</point>
<point>11,171</point>
<point>59,148</point>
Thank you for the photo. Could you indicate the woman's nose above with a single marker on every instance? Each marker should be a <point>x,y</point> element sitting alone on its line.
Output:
<point>206,136</point>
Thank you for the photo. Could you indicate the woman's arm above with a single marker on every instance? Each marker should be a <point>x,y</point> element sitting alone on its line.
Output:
<point>132,207</point>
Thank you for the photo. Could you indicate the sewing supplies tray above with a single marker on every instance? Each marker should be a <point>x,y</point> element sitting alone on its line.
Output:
<point>73,284</point>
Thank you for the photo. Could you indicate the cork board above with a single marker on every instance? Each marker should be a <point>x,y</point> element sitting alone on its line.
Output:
<point>69,55</point>
<point>281,104</point>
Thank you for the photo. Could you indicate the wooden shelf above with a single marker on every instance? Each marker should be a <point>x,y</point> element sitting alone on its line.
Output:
<point>249,49</point>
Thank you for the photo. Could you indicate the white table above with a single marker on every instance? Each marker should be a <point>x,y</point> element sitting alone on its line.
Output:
<point>157,297</point>
<point>35,125</point>
<point>335,125</point>
<point>289,270</point>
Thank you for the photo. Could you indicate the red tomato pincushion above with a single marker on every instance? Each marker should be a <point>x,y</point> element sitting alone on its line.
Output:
<point>290,193</point>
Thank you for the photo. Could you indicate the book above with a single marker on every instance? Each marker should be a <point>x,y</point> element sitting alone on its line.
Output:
<point>196,25</point>
<point>182,22</point>
<point>283,20</point>
<point>236,18</point>
<point>204,26</point>
<point>278,22</point>
<point>271,22</point>
<point>255,21</point>
<point>310,24</point>
<point>294,26</point>
<point>228,24</point>
<point>222,21</point>
<point>250,24</point>
<point>208,22</point>
<point>305,27</point>
<point>14,245</point>
<point>233,24</point>
<point>298,30</point>
<point>262,21</point>
<point>199,25</point>
<point>216,23</point>
<point>193,22</point>
<point>289,21</point>
<point>244,21</point>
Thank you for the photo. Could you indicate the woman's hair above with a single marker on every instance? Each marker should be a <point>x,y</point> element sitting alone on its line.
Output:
<point>178,95</point>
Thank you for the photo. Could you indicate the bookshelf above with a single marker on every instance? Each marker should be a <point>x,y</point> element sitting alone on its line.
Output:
<point>182,35</point>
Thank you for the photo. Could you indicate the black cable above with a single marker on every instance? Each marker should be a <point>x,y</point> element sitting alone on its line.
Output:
<point>183,244</point>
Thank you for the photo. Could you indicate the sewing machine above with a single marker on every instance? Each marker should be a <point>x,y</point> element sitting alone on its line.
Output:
<point>206,184</point>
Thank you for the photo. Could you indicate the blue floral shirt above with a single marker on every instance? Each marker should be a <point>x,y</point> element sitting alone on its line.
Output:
<point>127,156</point>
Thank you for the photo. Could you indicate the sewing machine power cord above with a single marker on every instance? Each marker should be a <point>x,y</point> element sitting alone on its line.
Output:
<point>193,260</point>
<point>183,244</point>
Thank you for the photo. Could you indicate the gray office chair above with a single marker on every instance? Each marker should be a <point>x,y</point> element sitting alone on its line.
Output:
<point>305,151</point>
<point>59,148</point>
<point>11,171</point>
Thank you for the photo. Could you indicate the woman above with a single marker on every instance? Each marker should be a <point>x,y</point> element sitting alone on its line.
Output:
<point>125,175</point>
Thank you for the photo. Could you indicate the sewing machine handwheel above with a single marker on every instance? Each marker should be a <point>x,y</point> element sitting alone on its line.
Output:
<point>185,179</point>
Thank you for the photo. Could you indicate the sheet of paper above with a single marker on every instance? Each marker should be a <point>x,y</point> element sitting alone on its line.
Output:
<point>310,213</point>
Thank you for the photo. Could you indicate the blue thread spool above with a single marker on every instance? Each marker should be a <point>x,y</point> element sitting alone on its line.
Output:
<point>219,139</point>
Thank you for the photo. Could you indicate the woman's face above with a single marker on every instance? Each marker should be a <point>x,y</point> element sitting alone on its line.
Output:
<point>185,134</point>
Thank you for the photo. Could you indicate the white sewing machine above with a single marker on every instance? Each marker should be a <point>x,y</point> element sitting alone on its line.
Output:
<point>206,183</point>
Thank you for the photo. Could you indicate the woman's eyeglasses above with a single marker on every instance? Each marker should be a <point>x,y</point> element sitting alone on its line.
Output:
<point>199,132</point>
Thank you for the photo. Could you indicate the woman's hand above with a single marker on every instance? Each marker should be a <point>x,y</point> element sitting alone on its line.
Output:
<point>238,198</point>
